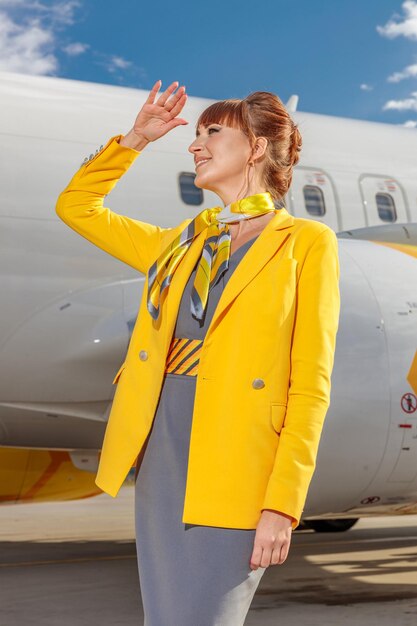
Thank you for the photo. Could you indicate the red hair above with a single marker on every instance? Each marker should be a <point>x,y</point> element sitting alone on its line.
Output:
<point>262,114</point>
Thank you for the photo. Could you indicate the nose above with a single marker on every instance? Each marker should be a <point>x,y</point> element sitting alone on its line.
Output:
<point>195,146</point>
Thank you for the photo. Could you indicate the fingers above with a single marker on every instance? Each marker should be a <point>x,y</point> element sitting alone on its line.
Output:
<point>276,556</point>
<point>256,556</point>
<point>153,92</point>
<point>285,548</point>
<point>164,97</point>
<point>179,105</point>
<point>264,556</point>
<point>174,123</point>
<point>177,101</point>
<point>261,557</point>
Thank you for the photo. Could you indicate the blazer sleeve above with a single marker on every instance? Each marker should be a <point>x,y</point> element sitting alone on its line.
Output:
<point>312,357</point>
<point>80,206</point>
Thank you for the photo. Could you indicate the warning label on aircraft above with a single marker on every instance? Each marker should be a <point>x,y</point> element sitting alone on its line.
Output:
<point>370,500</point>
<point>409,403</point>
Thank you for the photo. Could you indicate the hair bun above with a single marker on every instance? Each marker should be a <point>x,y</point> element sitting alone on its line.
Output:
<point>295,145</point>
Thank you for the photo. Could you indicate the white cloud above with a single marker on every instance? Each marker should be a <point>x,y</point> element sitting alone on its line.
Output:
<point>406,25</point>
<point>75,49</point>
<point>28,34</point>
<point>366,87</point>
<point>121,68</point>
<point>408,72</point>
<point>410,124</point>
<point>117,63</point>
<point>408,104</point>
<point>31,35</point>
<point>27,49</point>
<point>62,12</point>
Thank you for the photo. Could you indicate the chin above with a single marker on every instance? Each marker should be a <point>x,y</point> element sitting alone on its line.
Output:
<point>202,185</point>
<point>205,182</point>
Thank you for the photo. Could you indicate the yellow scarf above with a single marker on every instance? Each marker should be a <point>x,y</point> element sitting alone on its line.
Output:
<point>214,260</point>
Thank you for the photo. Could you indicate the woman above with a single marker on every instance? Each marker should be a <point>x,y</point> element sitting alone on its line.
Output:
<point>226,382</point>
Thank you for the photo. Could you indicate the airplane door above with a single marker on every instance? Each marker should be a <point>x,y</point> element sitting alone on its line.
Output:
<point>383,200</point>
<point>312,195</point>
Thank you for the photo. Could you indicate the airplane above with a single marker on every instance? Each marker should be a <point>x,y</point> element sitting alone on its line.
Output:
<point>68,308</point>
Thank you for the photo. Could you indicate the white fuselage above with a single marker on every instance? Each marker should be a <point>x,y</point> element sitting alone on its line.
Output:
<point>68,308</point>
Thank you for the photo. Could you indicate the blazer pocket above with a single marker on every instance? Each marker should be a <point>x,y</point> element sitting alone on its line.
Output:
<point>278,411</point>
<point>116,378</point>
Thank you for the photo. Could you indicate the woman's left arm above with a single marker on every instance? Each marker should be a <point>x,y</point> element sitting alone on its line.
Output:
<point>312,357</point>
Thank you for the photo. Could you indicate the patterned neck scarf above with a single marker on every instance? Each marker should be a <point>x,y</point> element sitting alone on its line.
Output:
<point>214,260</point>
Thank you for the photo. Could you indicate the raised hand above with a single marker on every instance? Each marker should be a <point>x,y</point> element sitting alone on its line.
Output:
<point>155,119</point>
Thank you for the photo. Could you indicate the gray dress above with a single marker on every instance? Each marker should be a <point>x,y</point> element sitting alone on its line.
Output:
<point>190,575</point>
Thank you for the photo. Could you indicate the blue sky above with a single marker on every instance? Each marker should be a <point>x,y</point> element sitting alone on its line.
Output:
<point>354,58</point>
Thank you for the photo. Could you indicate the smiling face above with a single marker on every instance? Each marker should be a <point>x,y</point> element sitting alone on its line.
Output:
<point>226,152</point>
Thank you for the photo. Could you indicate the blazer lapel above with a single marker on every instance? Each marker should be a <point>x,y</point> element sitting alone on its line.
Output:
<point>266,245</point>
<point>260,252</point>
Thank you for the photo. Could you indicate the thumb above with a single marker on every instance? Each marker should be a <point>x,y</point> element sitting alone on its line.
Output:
<point>176,122</point>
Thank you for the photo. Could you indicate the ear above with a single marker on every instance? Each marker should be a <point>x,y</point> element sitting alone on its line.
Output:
<point>260,147</point>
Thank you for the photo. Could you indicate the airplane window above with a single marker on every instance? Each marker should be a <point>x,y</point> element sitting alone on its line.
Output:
<point>386,207</point>
<point>190,194</point>
<point>314,200</point>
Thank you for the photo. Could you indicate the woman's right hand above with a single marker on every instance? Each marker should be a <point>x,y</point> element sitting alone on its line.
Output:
<point>155,119</point>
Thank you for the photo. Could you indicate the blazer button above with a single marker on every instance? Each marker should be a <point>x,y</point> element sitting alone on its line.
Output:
<point>258,383</point>
<point>143,355</point>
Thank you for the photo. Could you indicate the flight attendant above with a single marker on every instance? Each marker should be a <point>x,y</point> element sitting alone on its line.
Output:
<point>226,383</point>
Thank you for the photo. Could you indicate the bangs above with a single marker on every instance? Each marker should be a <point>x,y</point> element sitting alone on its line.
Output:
<point>227,112</point>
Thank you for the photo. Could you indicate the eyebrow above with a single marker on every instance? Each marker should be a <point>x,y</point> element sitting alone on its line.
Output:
<point>197,132</point>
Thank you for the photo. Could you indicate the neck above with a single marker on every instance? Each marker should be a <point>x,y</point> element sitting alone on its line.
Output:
<point>229,198</point>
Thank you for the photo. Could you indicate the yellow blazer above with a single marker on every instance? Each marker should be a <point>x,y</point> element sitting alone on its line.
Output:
<point>264,377</point>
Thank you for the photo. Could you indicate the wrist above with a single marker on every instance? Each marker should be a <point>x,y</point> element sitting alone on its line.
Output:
<point>134,141</point>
